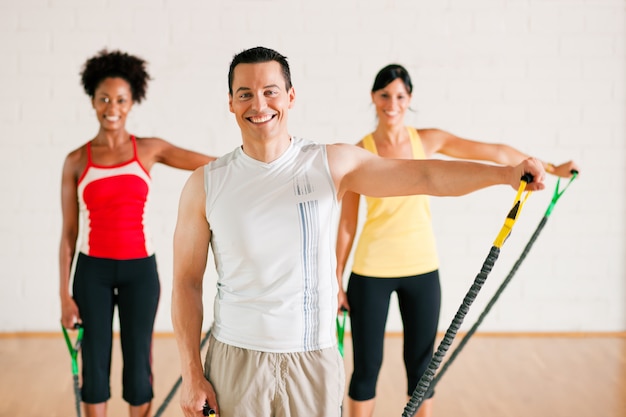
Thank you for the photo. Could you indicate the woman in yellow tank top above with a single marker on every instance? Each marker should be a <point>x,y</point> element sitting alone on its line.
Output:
<point>396,248</point>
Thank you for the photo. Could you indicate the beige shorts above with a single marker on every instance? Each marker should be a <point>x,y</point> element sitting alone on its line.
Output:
<point>249,383</point>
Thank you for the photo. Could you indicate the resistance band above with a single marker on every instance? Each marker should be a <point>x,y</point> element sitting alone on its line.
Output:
<point>424,383</point>
<point>74,349</point>
<point>341,326</point>
<point>169,396</point>
<point>557,194</point>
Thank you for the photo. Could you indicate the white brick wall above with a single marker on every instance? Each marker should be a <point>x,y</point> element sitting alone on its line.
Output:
<point>544,76</point>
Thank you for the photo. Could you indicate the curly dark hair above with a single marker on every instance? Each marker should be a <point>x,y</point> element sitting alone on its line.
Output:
<point>108,64</point>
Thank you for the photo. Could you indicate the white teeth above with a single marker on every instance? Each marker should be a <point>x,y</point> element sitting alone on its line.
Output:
<point>112,118</point>
<point>261,119</point>
<point>391,113</point>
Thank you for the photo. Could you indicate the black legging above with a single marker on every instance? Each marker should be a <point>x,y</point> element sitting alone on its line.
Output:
<point>132,285</point>
<point>419,298</point>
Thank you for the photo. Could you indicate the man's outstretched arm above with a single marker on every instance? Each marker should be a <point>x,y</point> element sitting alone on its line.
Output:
<point>357,170</point>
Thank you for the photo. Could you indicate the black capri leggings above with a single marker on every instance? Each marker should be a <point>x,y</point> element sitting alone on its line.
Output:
<point>133,285</point>
<point>419,298</point>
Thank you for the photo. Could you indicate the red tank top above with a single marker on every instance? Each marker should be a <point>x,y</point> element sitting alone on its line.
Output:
<point>112,202</point>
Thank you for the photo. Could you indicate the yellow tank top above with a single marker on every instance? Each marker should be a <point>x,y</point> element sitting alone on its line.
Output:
<point>397,239</point>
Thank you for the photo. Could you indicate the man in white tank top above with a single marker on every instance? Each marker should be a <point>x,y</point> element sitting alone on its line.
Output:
<point>267,210</point>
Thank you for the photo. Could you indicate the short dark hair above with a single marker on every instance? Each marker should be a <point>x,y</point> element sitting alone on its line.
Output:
<point>257,55</point>
<point>113,64</point>
<point>389,74</point>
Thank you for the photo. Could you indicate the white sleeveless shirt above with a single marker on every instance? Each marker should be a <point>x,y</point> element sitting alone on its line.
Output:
<point>273,230</point>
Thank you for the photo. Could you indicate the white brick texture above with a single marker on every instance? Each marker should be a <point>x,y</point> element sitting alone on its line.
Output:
<point>546,77</point>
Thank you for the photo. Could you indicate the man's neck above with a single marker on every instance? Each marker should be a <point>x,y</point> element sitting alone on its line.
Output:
<point>266,150</point>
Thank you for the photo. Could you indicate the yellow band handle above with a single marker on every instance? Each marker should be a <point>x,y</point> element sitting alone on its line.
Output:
<point>512,216</point>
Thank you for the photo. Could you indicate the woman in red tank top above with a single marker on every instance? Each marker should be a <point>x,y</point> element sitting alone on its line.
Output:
<point>107,182</point>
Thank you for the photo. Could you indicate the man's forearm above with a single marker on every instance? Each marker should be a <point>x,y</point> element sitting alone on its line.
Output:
<point>187,313</point>
<point>458,178</point>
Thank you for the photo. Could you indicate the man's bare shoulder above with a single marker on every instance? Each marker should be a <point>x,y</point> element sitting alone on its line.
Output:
<point>344,159</point>
<point>340,147</point>
<point>347,150</point>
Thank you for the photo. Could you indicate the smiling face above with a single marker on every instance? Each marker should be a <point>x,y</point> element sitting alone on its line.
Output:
<point>112,101</point>
<point>260,101</point>
<point>392,102</point>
